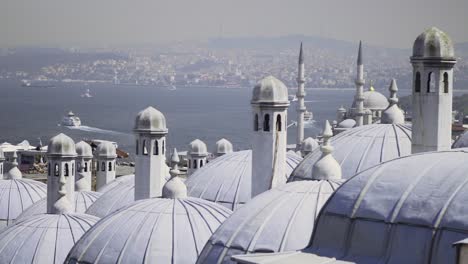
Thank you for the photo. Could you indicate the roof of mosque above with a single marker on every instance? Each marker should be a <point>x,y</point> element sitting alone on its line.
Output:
<point>61,145</point>
<point>347,123</point>
<point>150,120</point>
<point>117,181</point>
<point>391,211</point>
<point>227,179</point>
<point>360,148</point>
<point>45,238</point>
<point>154,230</point>
<point>270,90</point>
<point>373,100</point>
<point>281,219</point>
<point>433,42</point>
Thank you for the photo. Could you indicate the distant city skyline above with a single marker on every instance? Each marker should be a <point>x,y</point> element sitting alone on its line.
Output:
<point>119,22</point>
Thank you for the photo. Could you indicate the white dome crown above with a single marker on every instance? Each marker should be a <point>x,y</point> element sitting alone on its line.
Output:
<point>270,90</point>
<point>433,43</point>
<point>150,121</point>
<point>223,146</point>
<point>106,149</point>
<point>198,148</point>
<point>83,150</point>
<point>309,144</point>
<point>61,146</point>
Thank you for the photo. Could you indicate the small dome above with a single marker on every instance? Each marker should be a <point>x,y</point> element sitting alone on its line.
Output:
<point>150,121</point>
<point>360,148</point>
<point>83,200</point>
<point>223,146</point>
<point>61,146</point>
<point>174,188</point>
<point>393,115</point>
<point>44,238</point>
<point>106,149</point>
<point>16,196</point>
<point>198,148</point>
<point>281,219</point>
<point>309,144</point>
<point>83,150</point>
<point>151,231</point>
<point>373,100</point>
<point>227,180</point>
<point>347,123</point>
<point>270,90</point>
<point>433,43</point>
<point>388,212</point>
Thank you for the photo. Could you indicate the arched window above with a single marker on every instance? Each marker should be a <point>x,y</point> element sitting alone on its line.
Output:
<point>78,166</point>
<point>446,83</point>
<point>73,169</point>
<point>56,170</point>
<point>156,147</point>
<point>417,83</point>
<point>103,166</point>
<point>163,147</point>
<point>266,123</point>
<point>145,149</point>
<point>137,147</point>
<point>431,87</point>
<point>256,122</point>
<point>110,166</point>
<point>195,164</point>
<point>201,163</point>
<point>189,164</point>
<point>86,167</point>
<point>278,123</point>
<point>66,171</point>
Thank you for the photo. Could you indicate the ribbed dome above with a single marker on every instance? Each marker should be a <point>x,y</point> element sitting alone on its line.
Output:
<point>83,200</point>
<point>151,231</point>
<point>198,147</point>
<point>227,180</point>
<point>408,210</point>
<point>106,149</point>
<point>309,144</point>
<point>223,146</point>
<point>83,150</point>
<point>270,90</point>
<point>374,100</point>
<point>433,43</point>
<point>360,148</point>
<point>461,141</point>
<point>44,238</point>
<point>393,115</point>
<point>113,199</point>
<point>281,219</point>
<point>117,181</point>
<point>150,120</point>
<point>347,123</point>
<point>61,145</point>
<point>16,196</point>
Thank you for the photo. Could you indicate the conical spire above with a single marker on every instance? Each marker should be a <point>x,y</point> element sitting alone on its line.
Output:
<point>359,58</point>
<point>301,55</point>
<point>393,114</point>
<point>14,163</point>
<point>326,168</point>
<point>175,187</point>
<point>62,205</point>
<point>393,91</point>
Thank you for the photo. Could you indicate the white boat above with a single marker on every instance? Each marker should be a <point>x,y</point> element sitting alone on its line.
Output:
<point>292,98</point>
<point>87,94</point>
<point>308,116</point>
<point>71,120</point>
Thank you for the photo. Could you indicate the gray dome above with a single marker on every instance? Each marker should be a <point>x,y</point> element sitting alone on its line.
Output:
<point>309,144</point>
<point>174,188</point>
<point>44,238</point>
<point>84,150</point>
<point>360,148</point>
<point>433,43</point>
<point>227,180</point>
<point>374,100</point>
<point>270,90</point>
<point>150,121</point>
<point>461,141</point>
<point>223,146</point>
<point>198,148</point>
<point>13,174</point>
<point>393,115</point>
<point>117,181</point>
<point>408,210</point>
<point>16,196</point>
<point>106,149</point>
<point>347,123</point>
<point>281,219</point>
<point>83,200</point>
<point>151,231</point>
<point>61,146</point>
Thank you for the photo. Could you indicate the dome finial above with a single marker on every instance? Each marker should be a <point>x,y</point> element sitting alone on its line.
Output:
<point>393,114</point>
<point>175,187</point>
<point>62,205</point>
<point>327,167</point>
<point>14,163</point>
<point>14,173</point>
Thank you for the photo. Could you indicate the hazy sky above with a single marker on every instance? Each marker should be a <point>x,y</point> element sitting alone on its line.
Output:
<point>390,23</point>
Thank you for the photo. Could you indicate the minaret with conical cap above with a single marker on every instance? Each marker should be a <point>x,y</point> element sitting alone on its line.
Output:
<point>359,98</point>
<point>326,168</point>
<point>300,100</point>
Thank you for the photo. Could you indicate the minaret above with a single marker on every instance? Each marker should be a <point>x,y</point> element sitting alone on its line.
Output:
<point>359,114</point>
<point>2,160</point>
<point>197,155</point>
<point>433,61</point>
<point>61,155</point>
<point>300,100</point>
<point>84,158</point>
<point>150,154</point>
<point>223,146</point>
<point>269,113</point>
<point>105,159</point>
<point>326,168</point>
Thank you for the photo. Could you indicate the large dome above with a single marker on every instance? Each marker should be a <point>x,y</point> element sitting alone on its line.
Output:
<point>433,43</point>
<point>408,210</point>
<point>83,200</point>
<point>16,196</point>
<point>151,231</point>
<point>44,238</point>
<point>373,100</point>
<point>270,90</point>
<point>360,148</point>
<point>227,180</point>
<point>281,219</point>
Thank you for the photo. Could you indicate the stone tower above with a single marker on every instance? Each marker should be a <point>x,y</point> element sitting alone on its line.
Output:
<point>197,155</point>
<point>83,171</point>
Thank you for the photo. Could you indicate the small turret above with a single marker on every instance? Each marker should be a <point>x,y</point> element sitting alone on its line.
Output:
<point>223,146</point>
<point>83,166</point>
<point>196,155</point>
<point>105,158</point>
<point>327,167</point>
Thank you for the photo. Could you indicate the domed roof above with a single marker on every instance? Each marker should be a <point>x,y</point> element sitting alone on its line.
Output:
<point>44,238</point>
<point>223,146</point>
<point>83,200</point>
<point>106,149</point>
<point>391,211</point>
<point>309,144</point>
<point>84,150</point>
<point>270,90</point>
<point>17,195</point>
<point>113,199</point>
<point>433,43</point>
<point>461,141</point>
<point>347,123</point>
<point>281,219</point>
<point>117,181</point>
<point>393,115</point>
<point>61,145</point>
<point>198,147</point>
<point>150,120</point>
<point>373,100</point>
<point>360,148</point>
<point>227,180</point>
<point>13,173</point>
<point>151,231</point>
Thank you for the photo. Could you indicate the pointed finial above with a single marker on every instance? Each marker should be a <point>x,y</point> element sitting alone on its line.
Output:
<point>326,168</point>
<point>14,163</point>
<point>393,92</point>
<point>301,55</point>
<point>371,87</point>
<point>175,157</point>
<point>327,134</point>
<point>62,205</point>
<point>359,58</point>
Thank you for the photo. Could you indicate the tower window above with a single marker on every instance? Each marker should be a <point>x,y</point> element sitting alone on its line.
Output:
<point>103,166</point>
<point>145,149</point>
<point>266,123</point>
<point>417,83</point>
<point>446,83</point>
<point>430,83</point>
<point>189,164</point>
<point>163,147</point>
<point>48,170</point>
<point>73,169</point>
<point>66,171</point>
<point>201,163</point>
<point>156,147</point>
<point>256,122</point>
<point>278,123</point>
<point>110,166</point>
<point>56,170</point>
<point>137,146</point>
<point>86,167</point>
<point>195,164</point>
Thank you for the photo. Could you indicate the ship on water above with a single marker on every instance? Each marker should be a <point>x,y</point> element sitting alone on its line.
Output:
<point>71,120</point>
<point>38,84</point>
<point>87,94</point>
